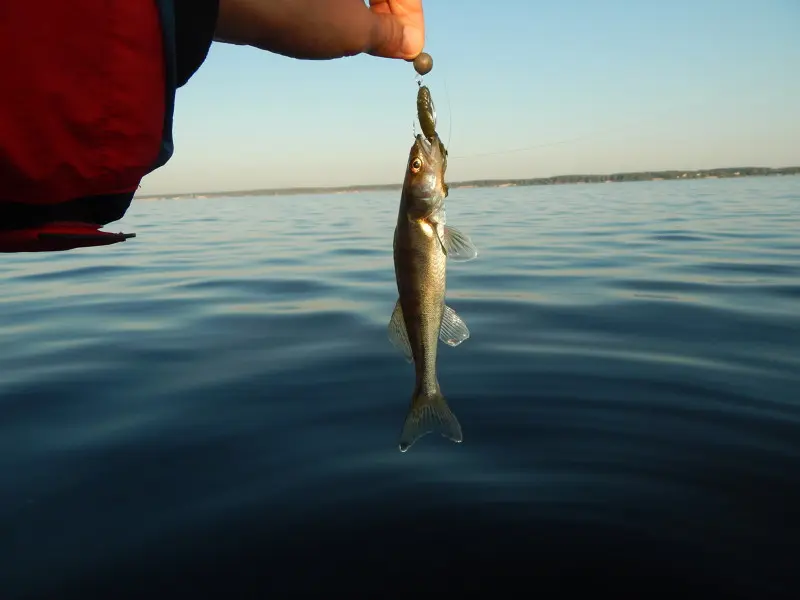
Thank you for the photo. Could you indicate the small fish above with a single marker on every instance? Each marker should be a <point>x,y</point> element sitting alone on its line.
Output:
<point>422,245</point>
<point>426,114</point>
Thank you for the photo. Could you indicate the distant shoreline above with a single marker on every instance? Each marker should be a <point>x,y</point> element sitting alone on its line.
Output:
<point>728,172</point>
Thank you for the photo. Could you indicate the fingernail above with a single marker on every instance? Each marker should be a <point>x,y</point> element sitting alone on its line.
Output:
<point>412,41</point>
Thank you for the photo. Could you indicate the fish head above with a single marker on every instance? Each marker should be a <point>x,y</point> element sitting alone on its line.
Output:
<point>424,188</point>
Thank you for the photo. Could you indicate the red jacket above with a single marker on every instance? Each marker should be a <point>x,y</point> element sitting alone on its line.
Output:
<point>86,110</point>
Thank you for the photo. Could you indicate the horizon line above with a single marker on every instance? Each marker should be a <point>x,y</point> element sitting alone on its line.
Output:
<point>524,181</point>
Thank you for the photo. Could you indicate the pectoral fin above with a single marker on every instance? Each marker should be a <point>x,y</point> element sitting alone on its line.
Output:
<point>457,245</point>
<point>453,330</point>
<point>397,332</point>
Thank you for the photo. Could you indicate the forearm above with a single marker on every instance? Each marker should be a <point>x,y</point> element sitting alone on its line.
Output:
<point>296,28</point>
<point>324,29</point>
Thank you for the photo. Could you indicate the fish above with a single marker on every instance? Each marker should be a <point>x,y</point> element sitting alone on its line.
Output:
<point>426,114</point>
<point>423,243</point>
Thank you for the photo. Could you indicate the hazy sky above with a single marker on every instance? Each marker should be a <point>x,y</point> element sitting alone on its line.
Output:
<point>533,88</point>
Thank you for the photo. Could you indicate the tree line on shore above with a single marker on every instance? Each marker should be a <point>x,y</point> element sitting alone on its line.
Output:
<point>555,180</point>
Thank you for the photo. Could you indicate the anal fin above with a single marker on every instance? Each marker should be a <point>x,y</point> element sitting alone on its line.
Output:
<point>397,332</point>
<point>453,330</point>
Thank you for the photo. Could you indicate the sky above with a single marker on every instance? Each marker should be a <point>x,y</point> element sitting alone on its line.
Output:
<point>522,88</point>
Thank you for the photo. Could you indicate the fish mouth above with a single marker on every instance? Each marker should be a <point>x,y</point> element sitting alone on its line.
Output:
<point>428,147</point>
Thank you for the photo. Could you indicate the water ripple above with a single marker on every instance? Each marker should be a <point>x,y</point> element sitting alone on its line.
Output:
<point>218,397</point>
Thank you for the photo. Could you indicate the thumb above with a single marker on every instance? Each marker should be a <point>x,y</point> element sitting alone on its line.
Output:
<point>390,38</point>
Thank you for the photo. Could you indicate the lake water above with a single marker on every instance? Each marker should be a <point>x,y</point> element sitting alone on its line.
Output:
<point>215,406</point>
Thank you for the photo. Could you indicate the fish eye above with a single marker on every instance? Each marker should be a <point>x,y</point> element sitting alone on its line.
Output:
<point>416,165</point>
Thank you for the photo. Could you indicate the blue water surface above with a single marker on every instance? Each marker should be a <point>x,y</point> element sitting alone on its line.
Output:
<point>214,405</point>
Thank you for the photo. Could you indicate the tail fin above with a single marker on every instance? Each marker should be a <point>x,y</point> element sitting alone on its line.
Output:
<point>429,413</point>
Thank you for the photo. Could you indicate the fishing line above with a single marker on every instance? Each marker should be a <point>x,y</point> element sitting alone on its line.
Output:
<point>449,112</point>
<point>420,81</point>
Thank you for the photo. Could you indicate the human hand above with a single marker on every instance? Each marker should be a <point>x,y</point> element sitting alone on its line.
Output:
<point>323,29</point>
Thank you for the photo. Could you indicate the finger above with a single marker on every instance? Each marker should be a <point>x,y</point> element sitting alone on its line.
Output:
<point>391,38</point>
<point>386,37</point>
<point>409,14</point>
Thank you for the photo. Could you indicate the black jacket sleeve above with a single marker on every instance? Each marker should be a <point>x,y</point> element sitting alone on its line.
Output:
<point>195,22</point>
